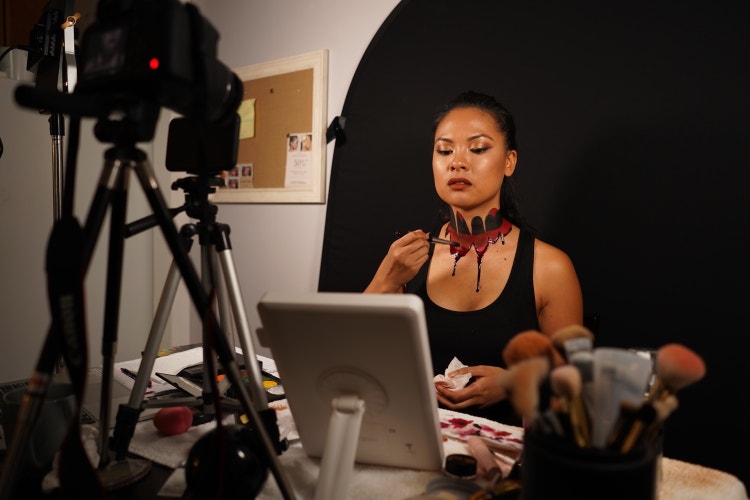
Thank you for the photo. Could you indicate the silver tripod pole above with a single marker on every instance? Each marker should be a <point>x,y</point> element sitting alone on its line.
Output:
<point>229,275</point>
<point>127,416</point>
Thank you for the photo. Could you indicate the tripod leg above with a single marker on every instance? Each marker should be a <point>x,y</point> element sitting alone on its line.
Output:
<point>225,312</point>
<point>114,475</point>
<point>112,308</point>
<point>72,480</point>
<point>223,249</point>
<point>210,399</point>
<point>127,416</point>
<point>255,378</point>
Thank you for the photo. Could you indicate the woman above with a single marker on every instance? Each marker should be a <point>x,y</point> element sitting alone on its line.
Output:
<point>494,279</point>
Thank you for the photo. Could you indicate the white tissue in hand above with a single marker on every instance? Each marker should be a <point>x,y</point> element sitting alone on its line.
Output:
<point>453,383</point>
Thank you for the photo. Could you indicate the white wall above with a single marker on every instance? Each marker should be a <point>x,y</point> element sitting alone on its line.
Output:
<point>251,32</point>
<point>256,31</point>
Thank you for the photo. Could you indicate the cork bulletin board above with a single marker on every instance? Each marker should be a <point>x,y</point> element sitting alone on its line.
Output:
<point>281,152</point>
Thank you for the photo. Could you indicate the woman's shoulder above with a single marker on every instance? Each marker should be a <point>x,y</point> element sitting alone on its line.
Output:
<point>550,258</point>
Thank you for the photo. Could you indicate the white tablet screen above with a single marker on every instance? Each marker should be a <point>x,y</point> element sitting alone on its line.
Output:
<point>327,344</point>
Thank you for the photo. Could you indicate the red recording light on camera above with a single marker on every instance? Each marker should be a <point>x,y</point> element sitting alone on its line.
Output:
<point>153,63</point>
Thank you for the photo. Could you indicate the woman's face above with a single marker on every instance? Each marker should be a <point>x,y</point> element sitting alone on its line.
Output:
<point>470,161</point>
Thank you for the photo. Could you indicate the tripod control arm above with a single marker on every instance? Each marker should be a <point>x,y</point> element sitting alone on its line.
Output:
<point>140,225</point>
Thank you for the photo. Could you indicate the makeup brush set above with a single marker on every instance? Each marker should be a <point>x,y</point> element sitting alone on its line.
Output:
<point>593,417</point>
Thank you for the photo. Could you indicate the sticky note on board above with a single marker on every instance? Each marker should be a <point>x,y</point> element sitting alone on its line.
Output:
<point>247,118</point>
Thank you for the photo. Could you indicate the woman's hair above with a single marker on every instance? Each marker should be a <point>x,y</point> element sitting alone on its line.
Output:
<point>509,207</point>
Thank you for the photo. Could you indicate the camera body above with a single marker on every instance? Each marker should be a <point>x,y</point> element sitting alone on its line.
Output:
<point>159,51</point>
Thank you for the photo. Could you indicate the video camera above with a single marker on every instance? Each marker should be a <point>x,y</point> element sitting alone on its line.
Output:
<point>160,50</point>
<point>164,52</point>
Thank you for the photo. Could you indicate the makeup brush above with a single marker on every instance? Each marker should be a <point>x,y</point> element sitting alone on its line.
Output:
<point>664,408</point>
<point>442,241</point>
<point>571,339</point>
<point>565,381</point>
<point>575,343</point>
<point>529,344</point>
<point>487,466</point>
<point>677,367</point>
<point>433,239</point>
<point>522,382</point>
<point>629,413</point>
<point>653,415</point>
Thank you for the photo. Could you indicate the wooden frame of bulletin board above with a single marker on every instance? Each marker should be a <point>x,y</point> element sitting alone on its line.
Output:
<point>281,156</point>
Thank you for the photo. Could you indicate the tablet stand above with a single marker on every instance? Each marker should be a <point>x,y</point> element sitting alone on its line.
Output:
<point>337,465</point>
<point>352,393</point>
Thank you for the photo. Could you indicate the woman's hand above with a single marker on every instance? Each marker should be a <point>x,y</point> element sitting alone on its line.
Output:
<point>405,257</point>
<point>483,392</point>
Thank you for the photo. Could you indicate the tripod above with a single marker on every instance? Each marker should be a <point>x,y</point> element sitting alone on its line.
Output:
<point>69,252</point>
<point>215,252</point>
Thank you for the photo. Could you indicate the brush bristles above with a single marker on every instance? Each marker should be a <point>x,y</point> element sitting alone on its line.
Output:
<point>678,366</point>
<point>530,344</point>
<point>566,383</point>
<point>525,345</point>
<point>570,332</point>
<point>522,383</point>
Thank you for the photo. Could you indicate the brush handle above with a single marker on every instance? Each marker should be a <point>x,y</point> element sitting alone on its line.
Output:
<point>434,239</point>
<point>579,421</point>
<point>486,461</point>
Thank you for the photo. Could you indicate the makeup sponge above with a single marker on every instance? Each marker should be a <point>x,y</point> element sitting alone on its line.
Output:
<point>173,420</point>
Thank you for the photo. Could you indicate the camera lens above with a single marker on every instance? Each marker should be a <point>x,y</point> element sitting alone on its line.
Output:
<point>223,93</point>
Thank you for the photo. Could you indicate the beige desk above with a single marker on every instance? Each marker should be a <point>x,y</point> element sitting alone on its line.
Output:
<point>686,481</point>
<point>680,480</point>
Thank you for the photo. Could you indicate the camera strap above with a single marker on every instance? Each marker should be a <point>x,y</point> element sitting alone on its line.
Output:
<point>65,273</point>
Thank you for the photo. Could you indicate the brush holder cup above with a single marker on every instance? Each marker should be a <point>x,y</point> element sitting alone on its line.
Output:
<point>554,467</point>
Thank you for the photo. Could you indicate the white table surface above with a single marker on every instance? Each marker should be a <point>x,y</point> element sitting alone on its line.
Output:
<point>679,480</point>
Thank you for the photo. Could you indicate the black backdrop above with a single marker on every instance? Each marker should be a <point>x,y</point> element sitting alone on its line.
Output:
<point>633,158</point>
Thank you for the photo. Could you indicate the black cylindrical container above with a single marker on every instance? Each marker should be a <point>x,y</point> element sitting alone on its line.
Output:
<point>556,468</point>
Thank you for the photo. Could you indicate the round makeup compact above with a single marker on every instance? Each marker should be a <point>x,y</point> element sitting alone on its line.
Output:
<point>460,466</point>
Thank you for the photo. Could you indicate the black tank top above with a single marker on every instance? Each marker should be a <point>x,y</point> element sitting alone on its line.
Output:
<point>478,337</point>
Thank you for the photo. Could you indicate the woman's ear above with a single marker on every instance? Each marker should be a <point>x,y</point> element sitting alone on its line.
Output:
<point>510,162</point>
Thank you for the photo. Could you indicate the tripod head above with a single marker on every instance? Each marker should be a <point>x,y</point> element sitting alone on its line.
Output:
<point>197,205</point>
<point>197,189</point>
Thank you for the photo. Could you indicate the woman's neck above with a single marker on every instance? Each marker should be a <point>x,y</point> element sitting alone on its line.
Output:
<point>479,233</point>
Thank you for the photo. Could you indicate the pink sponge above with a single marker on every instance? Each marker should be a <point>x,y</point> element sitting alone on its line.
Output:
<point>173,420</point>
